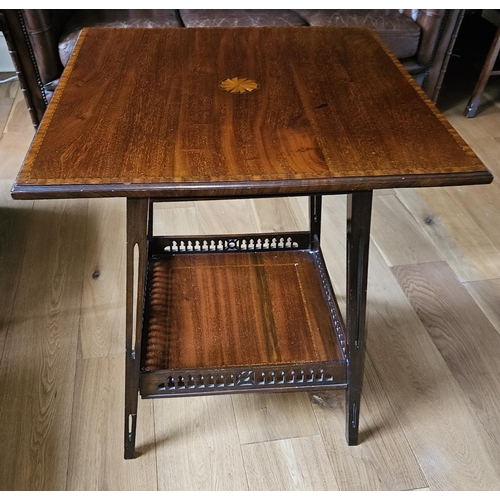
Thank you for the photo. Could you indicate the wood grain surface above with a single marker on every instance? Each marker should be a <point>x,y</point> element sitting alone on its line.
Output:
<point>464,244</point>
<point>487,294</point>
<point>233,309</point>
<point>268,417</point>
<point>451,446</point>
<point>96,456</point>
<point>398,235</point>
<point>299,464</point>
<point>465,338</point>
<point>103,301</point>
<point>12,246</point>
<point>140,112</point>
<point>37,367</point>
<point>197,445</point>
<point>384,445</point>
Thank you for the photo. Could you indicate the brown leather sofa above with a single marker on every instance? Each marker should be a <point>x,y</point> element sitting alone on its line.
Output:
<point>41,40</point>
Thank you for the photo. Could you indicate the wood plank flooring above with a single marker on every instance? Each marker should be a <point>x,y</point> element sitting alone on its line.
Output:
<point>431,403</point>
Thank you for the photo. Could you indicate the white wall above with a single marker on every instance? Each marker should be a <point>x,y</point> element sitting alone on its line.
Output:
<point>5,60</point>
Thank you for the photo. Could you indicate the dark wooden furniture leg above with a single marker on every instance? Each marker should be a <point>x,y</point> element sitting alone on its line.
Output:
<point>359,206</point>
<point>137,233</point>
<point>487,71</point>
<point>315,219</point>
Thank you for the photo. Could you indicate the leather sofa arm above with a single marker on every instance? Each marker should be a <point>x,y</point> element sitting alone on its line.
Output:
<point>430,22</point>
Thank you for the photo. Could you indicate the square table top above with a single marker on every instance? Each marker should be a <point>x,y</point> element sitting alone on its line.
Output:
<point>150,113</point>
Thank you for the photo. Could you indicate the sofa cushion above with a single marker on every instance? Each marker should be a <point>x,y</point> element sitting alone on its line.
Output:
<point>204,18</point>
<point>399,32</point>
<point>115,18</point>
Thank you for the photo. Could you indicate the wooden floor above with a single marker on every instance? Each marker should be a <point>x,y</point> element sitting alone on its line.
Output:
<point>430,416</point>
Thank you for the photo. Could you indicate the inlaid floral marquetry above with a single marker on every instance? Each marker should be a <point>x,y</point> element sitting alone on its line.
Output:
<point>239,85</point>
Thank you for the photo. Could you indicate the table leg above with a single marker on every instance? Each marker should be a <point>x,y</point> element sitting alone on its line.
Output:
<point>137,233</point>
<point>486,72</point>
<point>359,206</point>
<point>315,220</point>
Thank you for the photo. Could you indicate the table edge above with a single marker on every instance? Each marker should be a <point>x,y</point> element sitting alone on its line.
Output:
<point>248,189</point>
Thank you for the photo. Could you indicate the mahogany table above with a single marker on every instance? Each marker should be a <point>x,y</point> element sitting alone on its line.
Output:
<point>212,113</point>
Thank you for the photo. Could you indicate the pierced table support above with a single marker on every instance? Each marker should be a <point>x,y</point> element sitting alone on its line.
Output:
<point>359,206</point>
<point>137,238</point>
<point>315,220</point>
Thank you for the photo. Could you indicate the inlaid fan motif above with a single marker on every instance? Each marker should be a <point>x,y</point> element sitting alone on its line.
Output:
<point>239,85</point>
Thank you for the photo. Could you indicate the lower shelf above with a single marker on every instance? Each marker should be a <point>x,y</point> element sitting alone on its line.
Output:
<point>233,321</point>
